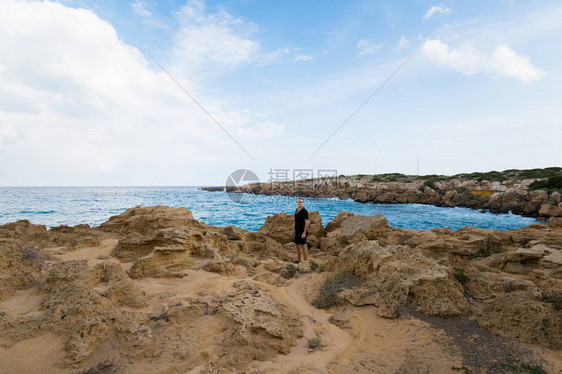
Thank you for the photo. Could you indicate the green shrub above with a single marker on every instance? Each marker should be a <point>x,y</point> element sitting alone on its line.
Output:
<point>435,177</point>
<point>314,343</point>
<point>554,299</point>
<point>429,183</point>
<point>551,184</point>
<point>462,190</point>
<point>290,271</point>
<point>460,274</point>
<point>492,246</point>
<point>492,176</point>
<point>539,173</point>
<point>521,367</point>
<point>314,266</point>
<point>463,368</point>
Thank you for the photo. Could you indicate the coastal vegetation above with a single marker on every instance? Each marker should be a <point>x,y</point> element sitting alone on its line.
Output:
<point>553,183</point>
<point>460,274</point>
<point>545,173</point>
<point>527,192</point>
<point>314,343</point>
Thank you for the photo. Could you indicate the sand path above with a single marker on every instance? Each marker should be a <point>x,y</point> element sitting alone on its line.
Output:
<point>315,324</point>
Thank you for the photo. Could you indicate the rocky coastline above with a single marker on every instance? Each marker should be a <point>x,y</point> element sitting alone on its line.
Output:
<point>154,290</point>
<point>512,193</point>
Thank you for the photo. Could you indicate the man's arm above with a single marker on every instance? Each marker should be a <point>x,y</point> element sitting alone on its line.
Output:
<point>306,224</point>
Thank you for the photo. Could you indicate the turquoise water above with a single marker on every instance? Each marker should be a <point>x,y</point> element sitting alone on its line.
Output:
<point>53,206</point>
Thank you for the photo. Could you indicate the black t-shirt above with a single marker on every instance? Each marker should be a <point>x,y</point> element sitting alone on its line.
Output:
<point>300,216</point>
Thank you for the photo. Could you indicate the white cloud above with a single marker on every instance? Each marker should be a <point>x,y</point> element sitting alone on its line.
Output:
<point>366,47</point>
<point>403,43</point>
<point>503,61</point>
<point>213,40</point>
<point>304,58</point>
<point>508,63</point>
<point>140,7</point>
<point>79,106</point>
<point>263,129</point>
<point>436,9</point>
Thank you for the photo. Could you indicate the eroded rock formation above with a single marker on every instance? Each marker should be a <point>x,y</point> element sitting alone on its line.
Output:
<point>154,290</point>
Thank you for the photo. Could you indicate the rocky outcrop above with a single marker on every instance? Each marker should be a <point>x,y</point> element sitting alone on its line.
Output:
<point>496,274</point>
<point>163,241</point>
<point>550,211</point>
<point>21,251</point>
<point>72,307</point>
<point>263,328</point>
<point>358,228</point>
<point>144,220</point>
<point>555,223</point>
<point>485,285</point>
<point>90,306</point>
<point>177,294</point>
<point>19,267</point>
<point>517,316</point>
<point>400,275</point>
<point>508,195</point>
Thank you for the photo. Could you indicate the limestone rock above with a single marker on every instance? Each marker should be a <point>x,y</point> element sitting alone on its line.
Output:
<point>72,307</point>
<point>512,286</point>
<point>555,222</point>
<point>145,220</point>
<point>520,316</point>
<point>340,319</point>
<point>219,265</point>
<point>550,211</point>
<point>526,254</point>
<point>486,285</point>
<point>23,229</point>
<point>401,275</point>
<point>163,242</point>
<point>357,228</point>
<point>264,328</point>
<point>337,221</point>
<point>19,267</point>
<point>525,261</point>
<point>280,226</point>
<point>304,267</point>
<point>125,292</point>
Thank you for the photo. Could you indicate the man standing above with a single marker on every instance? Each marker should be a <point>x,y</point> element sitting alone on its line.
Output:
<point>300,230</point>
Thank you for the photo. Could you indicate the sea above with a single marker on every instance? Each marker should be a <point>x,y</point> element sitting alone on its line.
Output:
<point>54,206</point>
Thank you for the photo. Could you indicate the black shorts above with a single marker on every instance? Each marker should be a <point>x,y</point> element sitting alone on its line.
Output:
<point>299,239</point>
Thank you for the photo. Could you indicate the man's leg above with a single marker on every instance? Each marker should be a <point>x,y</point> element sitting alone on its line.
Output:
<point>304,252</point>
<point>299,252</point>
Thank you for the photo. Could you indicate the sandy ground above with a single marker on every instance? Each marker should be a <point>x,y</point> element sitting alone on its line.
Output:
<point>366,343</point>
<point>33,356</point>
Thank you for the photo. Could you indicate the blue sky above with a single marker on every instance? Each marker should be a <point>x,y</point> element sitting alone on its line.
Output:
<point>83,103</point>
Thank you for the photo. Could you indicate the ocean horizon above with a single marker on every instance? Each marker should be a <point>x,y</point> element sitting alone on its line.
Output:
<point>72,205</point>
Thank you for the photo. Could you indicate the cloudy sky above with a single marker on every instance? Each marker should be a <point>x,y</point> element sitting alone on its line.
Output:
<point>97,92</point>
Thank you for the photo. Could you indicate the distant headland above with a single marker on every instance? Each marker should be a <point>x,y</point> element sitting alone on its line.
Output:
<point>528,192</point>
